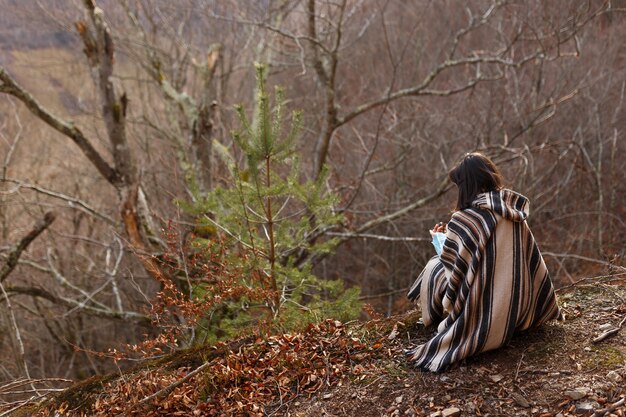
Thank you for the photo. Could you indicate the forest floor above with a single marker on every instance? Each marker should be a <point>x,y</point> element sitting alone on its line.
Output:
<point>359,369</point>
<point>556,370</point>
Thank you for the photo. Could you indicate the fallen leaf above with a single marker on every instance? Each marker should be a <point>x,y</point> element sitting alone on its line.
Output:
<point>496,378</point>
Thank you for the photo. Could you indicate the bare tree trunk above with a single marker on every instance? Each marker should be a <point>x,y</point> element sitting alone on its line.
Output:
<point>202,128</point>
<point>99,50</point>
<point>326,70</point>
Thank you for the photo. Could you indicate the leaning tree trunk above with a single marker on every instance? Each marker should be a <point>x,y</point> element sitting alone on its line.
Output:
<point>99,49</point>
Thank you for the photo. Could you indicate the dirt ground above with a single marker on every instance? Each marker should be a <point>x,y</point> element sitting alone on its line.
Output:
<point>556,370</point>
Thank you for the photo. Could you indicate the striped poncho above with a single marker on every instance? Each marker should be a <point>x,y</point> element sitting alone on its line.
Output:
<point>489,282</point>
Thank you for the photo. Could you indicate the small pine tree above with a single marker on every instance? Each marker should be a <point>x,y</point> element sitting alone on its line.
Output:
<point>267,218</point>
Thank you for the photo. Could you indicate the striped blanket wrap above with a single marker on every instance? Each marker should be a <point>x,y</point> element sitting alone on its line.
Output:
<point>489,282</point>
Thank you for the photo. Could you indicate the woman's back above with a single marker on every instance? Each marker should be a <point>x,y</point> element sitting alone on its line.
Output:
<point>489,282</point>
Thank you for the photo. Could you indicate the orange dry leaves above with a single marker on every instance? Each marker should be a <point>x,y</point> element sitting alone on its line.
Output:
<point>257,378</point>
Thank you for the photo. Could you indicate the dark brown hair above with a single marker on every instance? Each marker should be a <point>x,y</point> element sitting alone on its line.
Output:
<point>475,174</point>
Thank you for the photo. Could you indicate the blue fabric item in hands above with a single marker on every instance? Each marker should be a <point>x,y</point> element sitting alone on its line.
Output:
<point>438,240</point>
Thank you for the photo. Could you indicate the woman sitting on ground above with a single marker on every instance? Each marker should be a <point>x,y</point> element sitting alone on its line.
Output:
<point>490,279</point>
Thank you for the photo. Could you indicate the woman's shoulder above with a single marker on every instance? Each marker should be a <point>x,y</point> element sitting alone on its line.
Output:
<point>470,218</point>
<point>473,220</point>
<point>468,213</point>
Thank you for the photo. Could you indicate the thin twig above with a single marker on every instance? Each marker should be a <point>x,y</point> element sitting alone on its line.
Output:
<point>71,201</point>
<point>582,258</point>
<point>18,337</point>
<point>21,382</point>
<point>379,237</point>
<point>20,405</point>
<point>611,332</point>
<point>519,364</point>
<point>41,393</point>
<point>590,279</point>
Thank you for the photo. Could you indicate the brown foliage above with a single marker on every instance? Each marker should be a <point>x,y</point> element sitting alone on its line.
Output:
<point>251,380</point>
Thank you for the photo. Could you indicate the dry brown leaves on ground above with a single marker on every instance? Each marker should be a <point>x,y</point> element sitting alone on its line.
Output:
<point>252,381</point>
<point>559,370</point>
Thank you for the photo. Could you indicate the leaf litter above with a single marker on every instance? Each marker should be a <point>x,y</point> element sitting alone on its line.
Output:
<point>336,369</point>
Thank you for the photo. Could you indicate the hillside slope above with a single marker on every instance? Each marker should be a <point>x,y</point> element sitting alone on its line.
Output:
<point>336,369</point>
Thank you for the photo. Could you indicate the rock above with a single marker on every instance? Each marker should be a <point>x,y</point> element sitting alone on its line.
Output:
<point>399,399</point>
<point>435,414</point>
<point>451,412</point>
<point>519,400</point>
<point>327,396</point>
<point>409,413</point>
<point>586,407</point>
<point>576,394</point>
<point>614,376</point>
<point>606,326</point>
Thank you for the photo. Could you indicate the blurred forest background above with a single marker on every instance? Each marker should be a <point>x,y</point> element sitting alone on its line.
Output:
<point>115,119</point>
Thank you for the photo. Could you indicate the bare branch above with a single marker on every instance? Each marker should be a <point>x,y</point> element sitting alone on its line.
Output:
<point>18,335</point>
<point>359,231</point>
<point>496,58</point>
<point>13,145</point>
<point>78,305</point>
<point>378,237</point>
<point>582,258</point>
<point>443,187</point>
<point>10,86</point>
<point>64,282</point>
<point>15,254</point>
<point>71,201</point>
<point>10,388</point>
<point>422,88</point>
